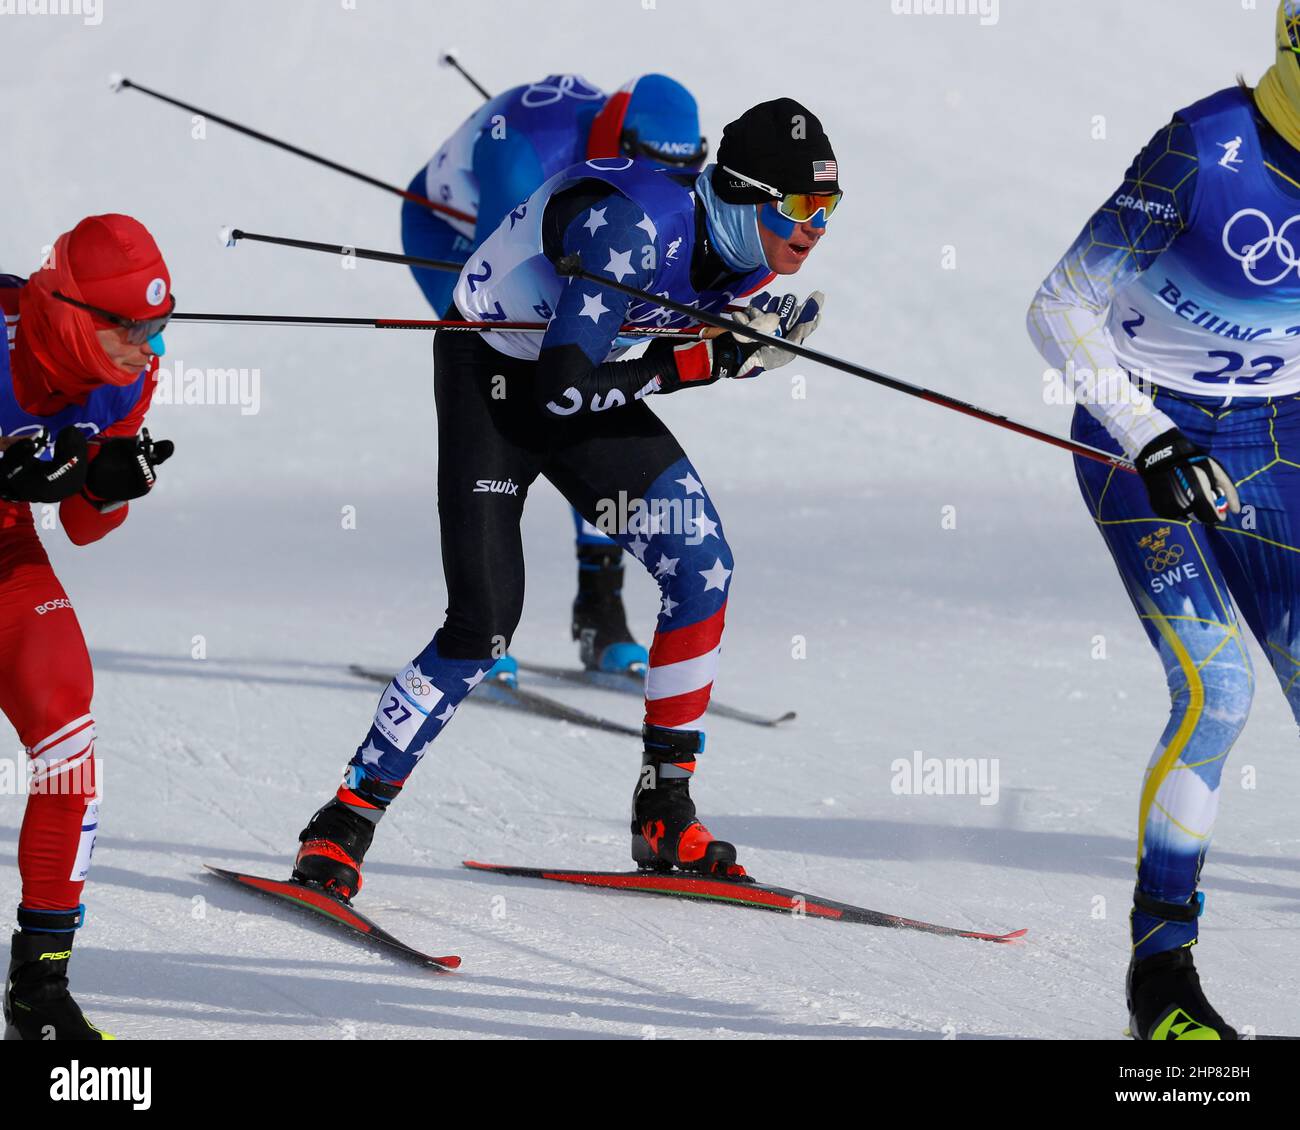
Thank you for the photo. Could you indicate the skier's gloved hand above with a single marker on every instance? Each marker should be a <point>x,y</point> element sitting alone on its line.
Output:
<point>699,363</point>
<point>124,469</point>
<point>26,478</point>
<point>805,318</point>
<point>732,355</point>
<point>796,319</point>
<point>778,316</point>
<point>1183,482</point>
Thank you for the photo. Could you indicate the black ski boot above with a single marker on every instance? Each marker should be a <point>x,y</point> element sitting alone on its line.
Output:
<point>334,844</point>
<point>665,830</point>
<point>1165,1001</point>
<point>605,642</point>
<point>37,1004</point>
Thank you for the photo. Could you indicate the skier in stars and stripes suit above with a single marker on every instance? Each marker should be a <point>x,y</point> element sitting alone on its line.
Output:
<point>496,158</point>
<point>512,407</point>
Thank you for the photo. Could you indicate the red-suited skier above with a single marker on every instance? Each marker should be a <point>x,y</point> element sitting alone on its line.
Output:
<point>84,337</point>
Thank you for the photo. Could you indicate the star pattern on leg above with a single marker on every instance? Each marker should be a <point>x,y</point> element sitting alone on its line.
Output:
<point>668,606</point>
<point>691,484</point>
<point>637,547</point>
<point>716,576</point>
<point>371,753</point>
<point>667,566</point>
<point>445,716</point>
<point>705,526</point>
<point>475,678</point>
<point>595,220</point>
<point>647,225</point>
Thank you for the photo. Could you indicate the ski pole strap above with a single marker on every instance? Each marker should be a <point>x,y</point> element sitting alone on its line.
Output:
<point>51,921</point>
<point>1170,911</point>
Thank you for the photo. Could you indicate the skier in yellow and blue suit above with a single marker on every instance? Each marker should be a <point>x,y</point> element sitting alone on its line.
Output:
<point>1176,317</point>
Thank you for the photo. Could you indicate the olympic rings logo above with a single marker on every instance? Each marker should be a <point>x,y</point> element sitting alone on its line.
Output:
<point>416,685</point>
<point>1164,558</point>
<point>555,88</point>
<point>1249,254</point>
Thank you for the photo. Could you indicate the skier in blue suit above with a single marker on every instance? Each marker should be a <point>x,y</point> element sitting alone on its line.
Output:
<point>1175,317</point>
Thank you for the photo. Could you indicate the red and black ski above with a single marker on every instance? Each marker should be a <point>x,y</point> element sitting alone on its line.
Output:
<point>677,884</point>
<point>337,911</point>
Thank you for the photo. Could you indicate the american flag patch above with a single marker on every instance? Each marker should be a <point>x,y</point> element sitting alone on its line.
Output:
<point>825,170</point>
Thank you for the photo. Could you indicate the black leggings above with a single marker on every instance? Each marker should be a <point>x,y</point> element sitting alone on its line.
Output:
<point>493,442</point>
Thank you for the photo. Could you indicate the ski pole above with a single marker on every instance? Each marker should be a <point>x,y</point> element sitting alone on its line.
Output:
<point>230,236</point>
<point>448,59</point>
<point>570,266</point>
<point>195,318</point>
<point>121,82</point>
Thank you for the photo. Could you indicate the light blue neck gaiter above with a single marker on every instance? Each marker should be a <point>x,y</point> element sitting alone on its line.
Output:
<point>732,227</point>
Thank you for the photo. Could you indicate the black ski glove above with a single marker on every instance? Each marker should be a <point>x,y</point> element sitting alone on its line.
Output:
<point>698,363</point>
<point>25,478</point>
<point>1183,482</point>
<point>124,469</point>
<point>733,355</point>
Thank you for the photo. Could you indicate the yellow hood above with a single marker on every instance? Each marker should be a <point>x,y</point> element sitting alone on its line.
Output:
<point>1278,92</point>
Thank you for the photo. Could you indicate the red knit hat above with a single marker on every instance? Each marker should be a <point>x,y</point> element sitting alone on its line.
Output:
<point>107,261</point>
<point>118,267</point>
